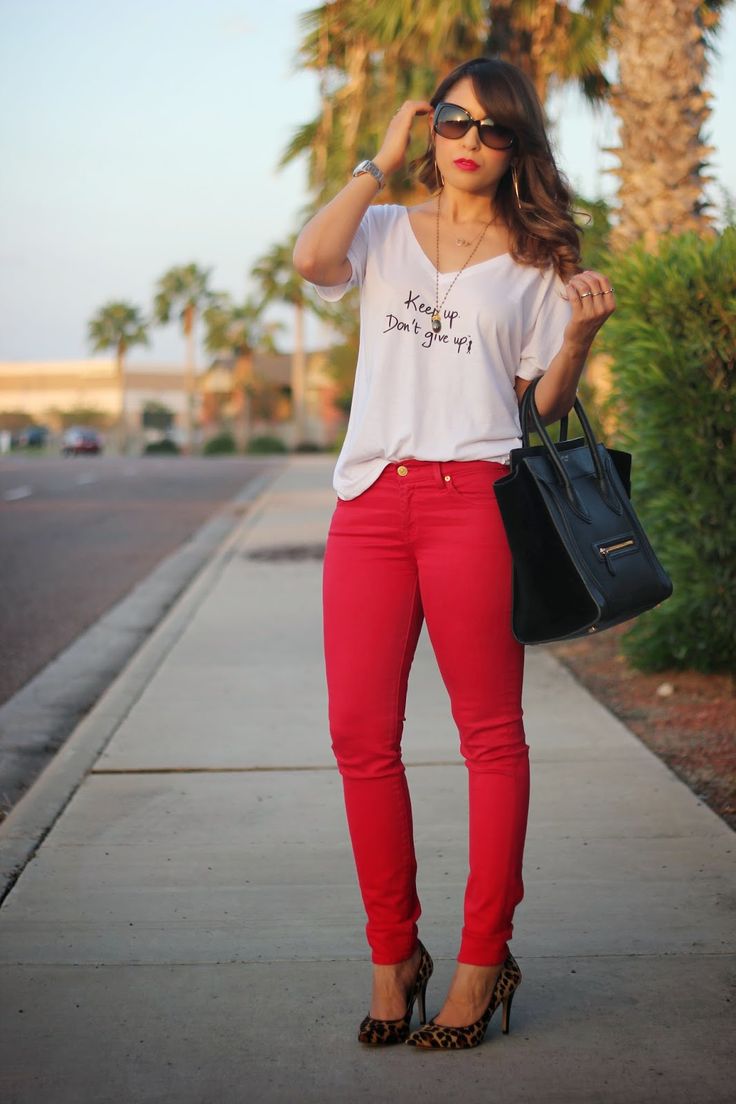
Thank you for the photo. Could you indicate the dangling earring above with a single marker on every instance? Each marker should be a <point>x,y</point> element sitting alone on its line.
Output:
<point>515,180</point>
<point>438,175</point>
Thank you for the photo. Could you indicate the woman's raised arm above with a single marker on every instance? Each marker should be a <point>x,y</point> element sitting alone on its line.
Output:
<point>320,252</point>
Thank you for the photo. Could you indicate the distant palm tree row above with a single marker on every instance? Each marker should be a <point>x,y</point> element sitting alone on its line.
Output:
<point>231,329</point>
<point>370,58</point>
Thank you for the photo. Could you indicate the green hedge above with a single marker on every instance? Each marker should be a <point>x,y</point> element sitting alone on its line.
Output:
<point>265,443</point>
<point>164,447</point>
<point>673,340</point>
<point>223,442</point>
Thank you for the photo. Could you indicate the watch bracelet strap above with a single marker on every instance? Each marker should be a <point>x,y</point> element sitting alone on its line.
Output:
<point>381,181</point>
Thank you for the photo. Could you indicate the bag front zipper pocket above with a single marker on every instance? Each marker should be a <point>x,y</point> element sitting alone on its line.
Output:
<point>614,547</point>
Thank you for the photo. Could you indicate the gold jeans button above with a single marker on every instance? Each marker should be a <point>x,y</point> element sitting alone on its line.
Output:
<point>447,478</point>
<point>402,470</point>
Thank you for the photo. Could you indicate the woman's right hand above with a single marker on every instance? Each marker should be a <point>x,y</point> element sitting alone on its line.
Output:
<point>391,155</point>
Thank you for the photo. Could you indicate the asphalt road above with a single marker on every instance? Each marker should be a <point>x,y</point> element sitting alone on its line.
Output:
<point>77,534</point>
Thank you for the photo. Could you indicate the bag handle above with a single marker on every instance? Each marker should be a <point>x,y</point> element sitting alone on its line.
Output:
<point>529,408</point>
<point>563,427</point>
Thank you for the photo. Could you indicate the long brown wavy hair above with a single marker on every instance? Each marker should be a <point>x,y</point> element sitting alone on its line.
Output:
<point>541,225</point>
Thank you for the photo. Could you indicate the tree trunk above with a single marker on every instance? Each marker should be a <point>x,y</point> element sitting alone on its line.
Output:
<point>189,319</point>
<point>299,376</point>
<point>324,129</point>
<point>354,95</point>
<point>121,425</point>
<point>542,30</point>
<point>662,107</point>
<point>242,378</point>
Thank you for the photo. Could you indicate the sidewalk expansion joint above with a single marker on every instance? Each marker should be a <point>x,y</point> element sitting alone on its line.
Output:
<point>291,960</point>
<point>283,553</point>
<point>252,770</point>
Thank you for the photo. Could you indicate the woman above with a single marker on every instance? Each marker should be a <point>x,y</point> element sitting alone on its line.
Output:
<point>465,299</point>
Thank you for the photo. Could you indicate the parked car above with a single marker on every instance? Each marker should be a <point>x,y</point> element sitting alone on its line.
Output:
<point>81,440</point>
<point>31,436</point>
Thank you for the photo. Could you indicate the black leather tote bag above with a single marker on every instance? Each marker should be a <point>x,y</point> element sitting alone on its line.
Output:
<point>582,561</point>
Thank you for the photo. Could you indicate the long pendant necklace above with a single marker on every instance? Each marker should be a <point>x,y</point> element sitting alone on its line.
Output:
<point>436,322</point>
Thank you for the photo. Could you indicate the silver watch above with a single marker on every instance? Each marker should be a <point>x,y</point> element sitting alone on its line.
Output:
<point>372,168</point>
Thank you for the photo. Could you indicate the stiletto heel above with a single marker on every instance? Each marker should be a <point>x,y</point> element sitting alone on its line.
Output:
<point>437,1036</point>
<point>385,1032</point>
<point>421,1003</point>
<point>505,1015</point>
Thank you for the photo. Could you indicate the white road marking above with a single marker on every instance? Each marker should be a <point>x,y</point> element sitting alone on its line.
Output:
<point>16,493</point>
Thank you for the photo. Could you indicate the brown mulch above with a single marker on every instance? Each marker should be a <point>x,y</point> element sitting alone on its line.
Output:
<point>693,728</point>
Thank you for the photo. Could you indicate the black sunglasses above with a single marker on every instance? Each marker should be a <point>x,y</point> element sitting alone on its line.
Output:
<point>452,121</point>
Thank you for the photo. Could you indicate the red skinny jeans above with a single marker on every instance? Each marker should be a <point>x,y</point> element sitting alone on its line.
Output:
<point>426,540</point>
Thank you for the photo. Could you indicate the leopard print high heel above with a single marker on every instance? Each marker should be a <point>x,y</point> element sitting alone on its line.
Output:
<point>434,1036</point>
<point>386,1032</point>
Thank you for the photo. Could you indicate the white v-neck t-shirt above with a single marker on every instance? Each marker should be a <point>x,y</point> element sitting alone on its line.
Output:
<point>447,395</point>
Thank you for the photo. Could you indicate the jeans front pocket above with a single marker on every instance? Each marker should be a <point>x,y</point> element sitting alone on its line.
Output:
<point>475,482</point>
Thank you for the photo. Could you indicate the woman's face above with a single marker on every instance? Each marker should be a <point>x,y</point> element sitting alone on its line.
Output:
<point>492,164</point>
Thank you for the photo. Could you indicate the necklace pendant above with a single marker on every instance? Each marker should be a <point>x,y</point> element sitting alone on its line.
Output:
<point>436,324</point>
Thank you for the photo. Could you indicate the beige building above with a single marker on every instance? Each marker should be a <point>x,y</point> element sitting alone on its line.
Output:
<point>48,392</point>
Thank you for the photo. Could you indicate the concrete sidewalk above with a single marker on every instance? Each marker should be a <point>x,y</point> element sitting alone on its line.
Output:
<point>190,928</point>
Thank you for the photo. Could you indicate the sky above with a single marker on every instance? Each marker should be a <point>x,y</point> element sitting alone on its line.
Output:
<point>142,135</point>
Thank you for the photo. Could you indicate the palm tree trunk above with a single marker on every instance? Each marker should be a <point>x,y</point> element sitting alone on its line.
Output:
<point>542,23</point>
<point>324,129</point>
<point>299,375</point>
<point>662,107</point>
<point>121,428</point>
<point>189,320</point>
<point>242,379</point>
<point>354,92</point>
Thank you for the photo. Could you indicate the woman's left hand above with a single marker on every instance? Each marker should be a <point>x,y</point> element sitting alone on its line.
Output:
<point>593,301</point>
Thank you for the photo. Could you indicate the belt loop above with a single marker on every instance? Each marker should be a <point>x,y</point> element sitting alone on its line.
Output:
<point>438,469</point>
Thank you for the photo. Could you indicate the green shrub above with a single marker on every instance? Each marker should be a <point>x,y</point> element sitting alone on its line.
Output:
<point>266,442</point>
<point>673,342</point>
<point>163,447</point>
<point>221,443</point>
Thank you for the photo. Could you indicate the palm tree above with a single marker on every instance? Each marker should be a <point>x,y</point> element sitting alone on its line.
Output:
<point>554,43</point>
<point>662,105</point>
<point>185,288</point>
<point>237,330</point>
<point>118,325</point>
<point>280,283</point>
